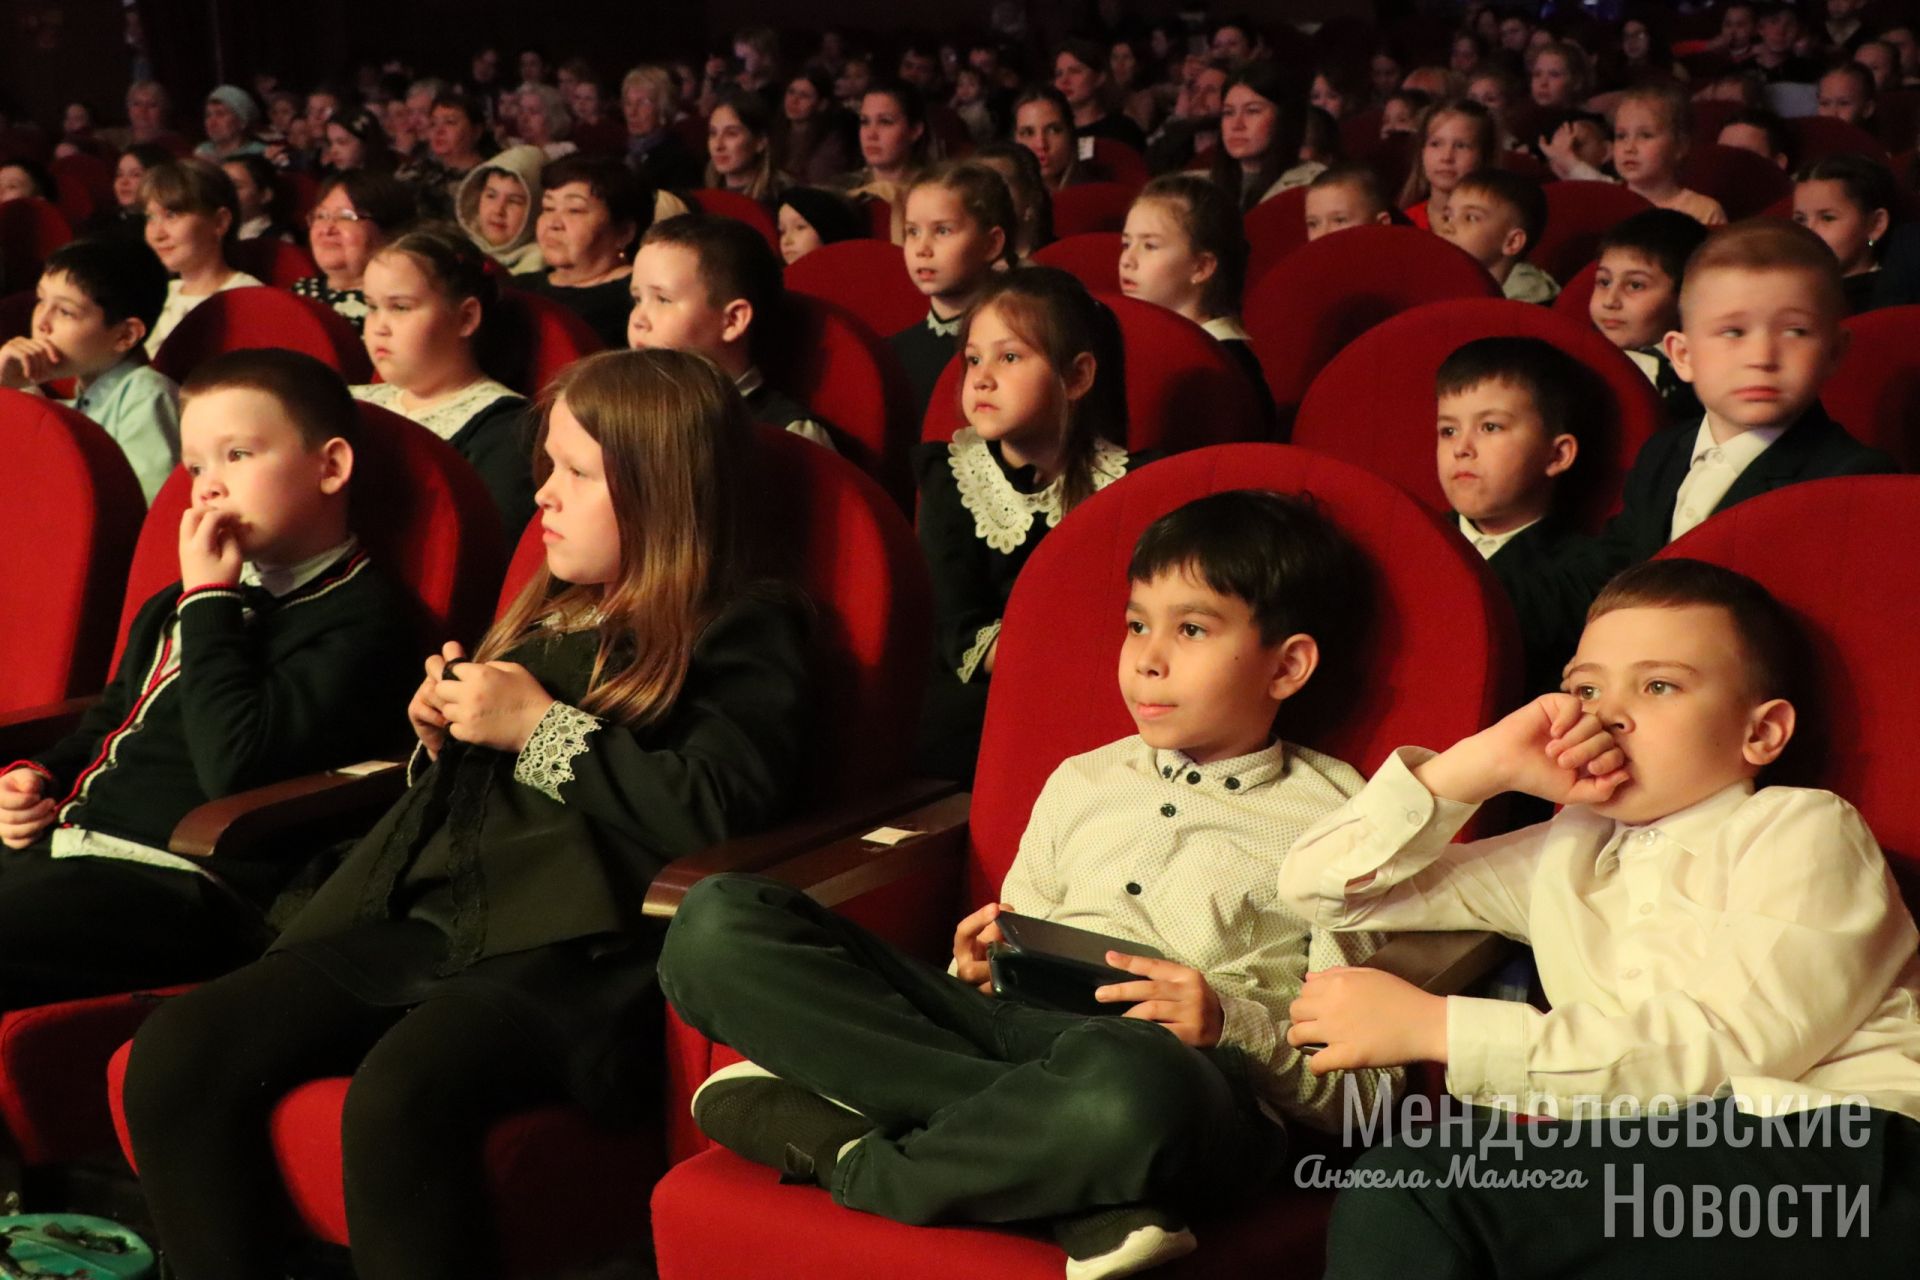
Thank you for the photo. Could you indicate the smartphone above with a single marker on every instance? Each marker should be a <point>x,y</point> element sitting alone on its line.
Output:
<point>1057,966</point>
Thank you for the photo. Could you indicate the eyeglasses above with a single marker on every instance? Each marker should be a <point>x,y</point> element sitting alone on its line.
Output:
<point>345,217</point>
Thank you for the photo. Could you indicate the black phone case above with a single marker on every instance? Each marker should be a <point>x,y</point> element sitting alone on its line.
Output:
<point>1048,983</point>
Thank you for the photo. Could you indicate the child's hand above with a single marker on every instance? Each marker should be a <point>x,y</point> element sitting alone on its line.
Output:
<point>1178,998</point>
<point>1559,152</point>
<point>209,551</point>
<point>424,712</point>
<point>493,704</point>
<point>25,809</point>
<point>27,362</point>
<point>970,939</point>
<point>1550,748</point>
<point>1367,1018</point>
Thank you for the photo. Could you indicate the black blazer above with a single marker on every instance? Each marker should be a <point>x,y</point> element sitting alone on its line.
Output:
<point>1550,605</point>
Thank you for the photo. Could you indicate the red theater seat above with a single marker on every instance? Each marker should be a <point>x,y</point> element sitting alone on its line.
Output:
<point>1817,137</point>
<point>1743,183</point>
<point>1324,295</point>
<point>30,230</point>
<point>1052,697</point>
<point>263,317</point>
<point>731,204</point>
<point>548,336</point>
<point>1183,391</point>
<point>867,277</point>
<point>85,186</point>
<point>1578,214</point>
<point>1092,258</point>
<point>841,371</point>
<point>1120,163</point>
<point>1374,404</point>
<point>273,261</point>
<point>1576,295</point>
<point>1091,206</point>
<point>1875,392</point>
<point>1275,227</point>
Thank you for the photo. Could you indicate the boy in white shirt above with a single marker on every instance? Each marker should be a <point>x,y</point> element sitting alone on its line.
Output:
<point>1732,952</point>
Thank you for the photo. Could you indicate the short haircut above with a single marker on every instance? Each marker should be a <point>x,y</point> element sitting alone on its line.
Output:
<point>1088,53</point>
<point>376,195</point>
<point>1362,177</point>
<point>1868,183</point>
<point>1563,390</point>
<point>193,186</point>
<point>1664,237</point>
<point>312,395</point>
<point>984,194</point>
<point>1522,193</point>
<point>1779,136</point>
<point>1279,554</point>
<point>1668,97</point>
<point>735,262</point>
<point>628,199</point>
<point>122,277</point>
<point>1861,75</point>
<point>469,107</point>
<point>1768,244</point>
<point>1775,649</point>
<point>1212,225</point>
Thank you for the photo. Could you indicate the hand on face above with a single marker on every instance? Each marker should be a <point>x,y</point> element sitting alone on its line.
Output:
<point>209,549</point>
<point>26,362</point>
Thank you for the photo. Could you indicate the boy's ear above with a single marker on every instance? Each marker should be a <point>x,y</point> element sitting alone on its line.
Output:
<point>735,319</point>
<point>128,334</point>
<point>1209,263</point>
<point>1295,660</point>
<point>1383,219</point>
<point>1080,375</point>
<point>1566,450</point>
<point>470,315</point>
<point>1877,229</point>
<point>1675,345</point>
<point>336,466</point>
<point>1514,243</point>
<point>1768,732</point>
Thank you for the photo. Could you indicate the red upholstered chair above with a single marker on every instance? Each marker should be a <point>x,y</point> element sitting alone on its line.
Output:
<point>1053,696</point>
<point>1899,113</point>
<point>272,260</point>
<point>1855,729</point>
<point>879,218</point>
<point>1875,393</point>
<point>70,502</point>
<point>1817,137</point>
<point>85,186</point>
<point>301,193</point>
<point>1525,164</point>
<point>262,317</point>
<point>1578,214</point>
<point>850,549</point>
<point>1709,118</point>
<point>1092,257</point>
<point>867,277</point>
<point>1374,405</point>
<point>1183,391</point>
<point>731,204</point>
<point>16,314</point>
<point>838,368</point>
<point>1275,227</point>
<point>30,230</point>
<point>1120,163</point>
<point>1360,133</point>
<point>1741,181</point>
<point>1324,295</point>
<point>1091,206</point>
<point>1576,294</point>
<point>547,337</point>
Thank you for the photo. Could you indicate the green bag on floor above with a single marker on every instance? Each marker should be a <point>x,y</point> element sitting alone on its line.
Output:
<point>71,1245</point>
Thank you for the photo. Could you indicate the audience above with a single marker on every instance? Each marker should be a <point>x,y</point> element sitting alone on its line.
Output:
<point>498,205</point>
<point>959,231</point>
<point>1347,195</point>
<point>1497,218</point>
<point>1454,138</point>
<point>1636,298</point>
<point>192,215</point>
<point>356,213</point>
<point>592,213</point>
<point>1849,202</point>
<point>808,217</point>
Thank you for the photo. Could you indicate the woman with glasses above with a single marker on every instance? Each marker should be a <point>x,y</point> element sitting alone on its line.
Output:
<point>357,213</point>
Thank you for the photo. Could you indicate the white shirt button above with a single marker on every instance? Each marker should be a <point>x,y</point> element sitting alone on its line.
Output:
<point>1413,816</point>
<point>1631,973</point>
<point>1646,908</point>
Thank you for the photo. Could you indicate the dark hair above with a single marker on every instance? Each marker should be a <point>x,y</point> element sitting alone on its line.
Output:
<point>121,276</point>
<point>43,183</point>
<point>261,170</point>
<point>1861,75</point>
<point>465,105</point>
<point>912,105</point>
<point>151,155</point>
<point>1779,138</point>
<point>458,268</point>
<point>1277,553</point>
<point>1032,184</point>
<point>735,262</point>
<point>985,196</point>
<point>364,123</point>
<point>1054,314</point>
<point>1523,193</point>
<point>1047,93</point>
<point>1663,236</point>
<point>1283,148</point>
<point>1775,647</point>
<point>1088,53</point>
<point>628,199</point>
<point>312,394</point>
<point>1563,390</point>
<point>1212,225</point>
<point>196,186</point>
<point>1868,183</point>
<point>1354,173</point>
<point>378,196</point>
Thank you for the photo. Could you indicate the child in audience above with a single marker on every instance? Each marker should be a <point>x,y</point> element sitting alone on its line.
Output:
<point>280,651</point>
<point>809,217</point>
<point>1110,1127</point>
<point>255,185</point>
<point>497,206</point>
<point>1456,138</point>
<point>1347,195</point>
<point>1577,145</point>
<point>1511,415</point>
<point>92,307</point>
<point>1184,249</point>
<point>1760,131</point>
<point>1760,313</point>
<point>357,213</point>
<point>1636,298</point>
<point>1846,93</point>
<point>429,331</point>
<point>1497,218</point>
<point>711,285</point>
<point>1708,950</point>
<point>1651,133</point>
<point>959,229</point>
<point>1848,201</point>
<point>1032,202</point>
<point>1400,111</point>
<point>192,213</point>
<point>481,950</point>
<point>127,217</point>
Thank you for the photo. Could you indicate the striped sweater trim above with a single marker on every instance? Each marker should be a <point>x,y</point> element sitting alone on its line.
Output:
<point>153,684</point>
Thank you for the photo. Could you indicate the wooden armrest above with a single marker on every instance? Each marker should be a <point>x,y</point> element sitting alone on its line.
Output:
<point>827,852</point>
<point>253,817</point>
<point>33,729</point>
<point>1442,964</point>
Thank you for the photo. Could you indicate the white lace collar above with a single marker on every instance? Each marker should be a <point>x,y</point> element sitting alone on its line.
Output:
<point>944,328</point>
<point>1002,514</point>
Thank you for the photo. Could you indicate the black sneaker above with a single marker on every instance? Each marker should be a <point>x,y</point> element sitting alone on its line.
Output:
<point>1121,1241</point>
<point>754,1113</point>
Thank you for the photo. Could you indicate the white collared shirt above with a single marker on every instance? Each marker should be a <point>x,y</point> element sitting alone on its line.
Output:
<point>1487,544</point>
<point>1227,329</point>
<point>1713,471</point>
<point>1753,944</point>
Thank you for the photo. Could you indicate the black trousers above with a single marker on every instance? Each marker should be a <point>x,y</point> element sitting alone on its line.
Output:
<point>1761,1206</point>
<point>986,1110</point>
<point>207,1068</point>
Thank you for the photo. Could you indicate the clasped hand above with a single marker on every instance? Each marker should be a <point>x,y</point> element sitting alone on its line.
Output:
<point>485,704</point>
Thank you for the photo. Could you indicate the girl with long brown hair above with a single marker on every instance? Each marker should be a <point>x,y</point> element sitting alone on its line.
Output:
<point>482,949</point>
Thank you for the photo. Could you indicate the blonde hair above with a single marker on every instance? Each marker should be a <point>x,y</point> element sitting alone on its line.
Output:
<point>1486,136</point>
<point>1768,244</point>
<point>676,439</point>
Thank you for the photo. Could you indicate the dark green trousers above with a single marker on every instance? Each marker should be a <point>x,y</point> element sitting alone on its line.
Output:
<point>984,1110</point>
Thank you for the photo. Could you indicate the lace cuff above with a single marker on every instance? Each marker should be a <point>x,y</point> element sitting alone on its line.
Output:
<point>976,653</point>
<point>546,762</point>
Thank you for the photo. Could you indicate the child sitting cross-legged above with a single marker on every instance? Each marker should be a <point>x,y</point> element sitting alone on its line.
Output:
<point>1714,952</point>
<point>1636,298</point>
<point>952,1104</point>
<point>1497,218</point>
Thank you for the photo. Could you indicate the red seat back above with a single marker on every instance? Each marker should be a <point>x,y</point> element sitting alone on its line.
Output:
<point>302,192</point>
<point>1875,392</point>
<point>262,317</point>
<point>1436,662</point>
<point>545,337</point>
<point>1374,404</point>
<point>1817,137</point>
<point>1324,295</point>
<point>272,260</point>
<point>845,375</point>
<point>16,315</point>
<point>1743,183</point>
<point>1091,206</point>
<point>1360,133</point>
<point>30,230</point>
<point>418,506</point>
<point>70,508</point>
<point>1575,298</point>
<point>1092,258</point>
<point>1275,228</point>
<point>1709,118</point>
<point>867,277</point>
<point>731,204</point>
<point>1898,111</point>
<point>1120,163</point>
<point>1578,214</point>
<point>85,186</point>
<point>1856,729</point>
<point>1183,390</point>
